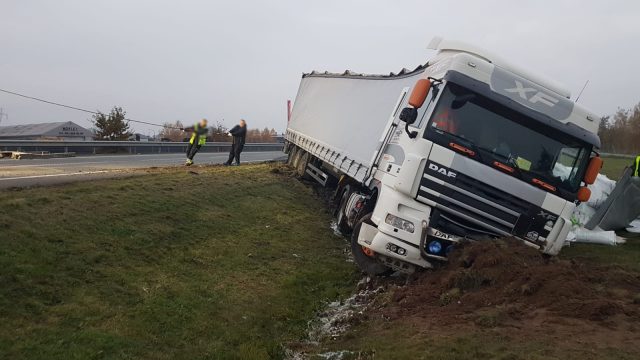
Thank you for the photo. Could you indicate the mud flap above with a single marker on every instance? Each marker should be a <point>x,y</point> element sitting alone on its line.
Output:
<point>621,207</point>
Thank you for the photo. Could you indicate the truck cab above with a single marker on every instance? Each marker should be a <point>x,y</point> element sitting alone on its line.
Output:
<point>475,148</point>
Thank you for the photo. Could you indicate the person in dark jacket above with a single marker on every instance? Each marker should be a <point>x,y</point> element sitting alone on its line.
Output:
<point>198,138</point>
<point>239,133</point>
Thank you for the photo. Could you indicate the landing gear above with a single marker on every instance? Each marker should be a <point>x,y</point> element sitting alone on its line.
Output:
<point>363,256</point>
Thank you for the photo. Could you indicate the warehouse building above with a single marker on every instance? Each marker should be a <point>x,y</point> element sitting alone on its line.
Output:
<point>68,131</point>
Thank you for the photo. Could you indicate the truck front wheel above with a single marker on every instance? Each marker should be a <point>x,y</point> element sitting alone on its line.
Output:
<point>365,257</point>
<point>341,216</point>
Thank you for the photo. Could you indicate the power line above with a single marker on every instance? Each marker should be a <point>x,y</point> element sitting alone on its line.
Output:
<point>3,115</point>
<point>77,108</point>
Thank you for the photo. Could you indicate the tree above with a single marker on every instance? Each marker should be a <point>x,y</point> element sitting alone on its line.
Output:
<point>619,132</point>
<point>219,133</point>
<point>112,126</point>
<point>172,132</point>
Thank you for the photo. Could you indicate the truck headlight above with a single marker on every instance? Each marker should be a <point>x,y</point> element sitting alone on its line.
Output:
<point>400,223</point>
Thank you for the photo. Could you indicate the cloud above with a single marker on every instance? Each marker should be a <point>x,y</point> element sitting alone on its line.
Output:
<point>166,60</point>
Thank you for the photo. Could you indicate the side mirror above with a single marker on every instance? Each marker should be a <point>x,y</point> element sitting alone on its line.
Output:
<point>416,100</point>
<point>595,164</point>
<point>419,93</point>
<point>583,194</point>
<point>409,115</point>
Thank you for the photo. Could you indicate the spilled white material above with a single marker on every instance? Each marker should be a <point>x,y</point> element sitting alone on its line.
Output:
<point>598,237</point>
<point>600,191</point>
<point>634,227</point>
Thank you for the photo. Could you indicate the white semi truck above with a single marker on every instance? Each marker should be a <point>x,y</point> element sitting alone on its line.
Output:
<point>466,146</point>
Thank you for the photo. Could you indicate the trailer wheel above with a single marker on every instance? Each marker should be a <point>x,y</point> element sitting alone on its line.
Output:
<point>301,169</point>
<point>292,154</point>
<point>296,158</point>
<point>365,257</point>
<point>341,217</point>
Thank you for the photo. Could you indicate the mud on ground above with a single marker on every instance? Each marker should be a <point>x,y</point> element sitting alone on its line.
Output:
<point>506,287</point>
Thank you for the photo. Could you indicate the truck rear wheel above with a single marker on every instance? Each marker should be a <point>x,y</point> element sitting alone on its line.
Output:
<point>365,257</point>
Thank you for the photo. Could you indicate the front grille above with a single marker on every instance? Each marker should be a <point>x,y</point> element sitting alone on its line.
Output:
<point>473,201</point>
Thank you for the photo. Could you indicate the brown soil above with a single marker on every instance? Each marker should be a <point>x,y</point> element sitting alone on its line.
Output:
<point>509,288</point>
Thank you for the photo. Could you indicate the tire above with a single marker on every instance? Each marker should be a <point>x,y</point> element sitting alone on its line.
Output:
<point>367,263</point>
<point>296,158</point>
<point>292,155</point>
<point>341,217</point>
<point>301,169</point>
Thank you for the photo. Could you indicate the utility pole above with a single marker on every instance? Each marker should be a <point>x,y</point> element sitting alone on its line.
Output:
<point>3,115</point>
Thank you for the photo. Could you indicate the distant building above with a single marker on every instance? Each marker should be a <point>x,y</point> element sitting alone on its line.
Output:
<point>139,137</point>
<point>47,131</point>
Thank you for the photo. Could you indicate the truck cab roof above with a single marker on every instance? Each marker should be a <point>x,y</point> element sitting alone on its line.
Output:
<point>530,90</point>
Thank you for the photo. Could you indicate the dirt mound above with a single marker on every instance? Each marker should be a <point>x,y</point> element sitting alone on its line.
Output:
<point>493,283</point>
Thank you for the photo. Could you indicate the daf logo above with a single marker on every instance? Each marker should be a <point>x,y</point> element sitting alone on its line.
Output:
<point>535,97</point>
<point>442,170</point>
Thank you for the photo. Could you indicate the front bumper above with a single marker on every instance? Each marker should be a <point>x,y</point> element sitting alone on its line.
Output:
<point>388,246</point>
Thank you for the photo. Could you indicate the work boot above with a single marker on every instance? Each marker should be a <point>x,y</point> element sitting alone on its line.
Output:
<point>189,162</point>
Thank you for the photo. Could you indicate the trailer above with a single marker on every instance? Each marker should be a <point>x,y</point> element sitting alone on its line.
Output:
<point>464,147</point>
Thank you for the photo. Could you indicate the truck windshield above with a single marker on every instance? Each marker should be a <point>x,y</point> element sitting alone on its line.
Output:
<point>497,136</point>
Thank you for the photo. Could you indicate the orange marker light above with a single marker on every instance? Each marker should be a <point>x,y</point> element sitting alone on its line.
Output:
<point>502,166</point>
<point>544,184</point>
<point>462,149</point>
<point>368,252</point>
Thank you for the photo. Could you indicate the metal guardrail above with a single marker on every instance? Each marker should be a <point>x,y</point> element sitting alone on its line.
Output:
<point>130,147</point>
<point>626,156</point>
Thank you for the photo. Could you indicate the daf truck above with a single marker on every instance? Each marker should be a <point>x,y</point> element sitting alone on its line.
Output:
<point>465,147</point>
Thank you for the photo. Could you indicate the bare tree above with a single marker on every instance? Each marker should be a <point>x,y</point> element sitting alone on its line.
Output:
<point>620,132</point>
<point>172,132</point>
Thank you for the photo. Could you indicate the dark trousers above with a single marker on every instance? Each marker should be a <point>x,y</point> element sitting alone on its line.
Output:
<point>235,151</point>
<point>192,149</point>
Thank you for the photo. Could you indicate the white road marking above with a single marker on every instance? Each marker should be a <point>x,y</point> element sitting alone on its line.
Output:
<point>53,175</point>
<point>127,158</point>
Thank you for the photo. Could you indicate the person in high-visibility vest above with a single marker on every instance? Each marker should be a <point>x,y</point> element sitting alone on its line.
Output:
<point>636,171</point>
<point>198,138</point>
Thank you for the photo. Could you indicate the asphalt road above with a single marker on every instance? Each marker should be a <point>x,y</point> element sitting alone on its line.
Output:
<point>22,173</point>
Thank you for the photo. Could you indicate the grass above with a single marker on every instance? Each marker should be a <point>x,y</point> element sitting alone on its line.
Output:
<point>227,264</point>
<point>376,339</point>
<point>613,166</point>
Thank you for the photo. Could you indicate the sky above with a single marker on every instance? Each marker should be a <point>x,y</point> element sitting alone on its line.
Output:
<point>163,61</point>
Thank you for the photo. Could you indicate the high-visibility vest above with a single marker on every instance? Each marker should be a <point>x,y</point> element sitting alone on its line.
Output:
<point>202,138</point>
<point>637,170</point>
